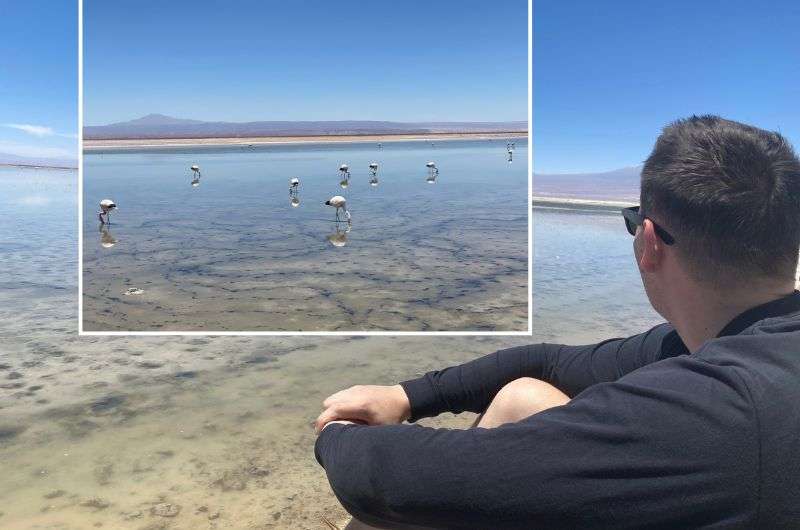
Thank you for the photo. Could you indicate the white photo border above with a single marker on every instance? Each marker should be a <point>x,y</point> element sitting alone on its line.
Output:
<point>81,331</point>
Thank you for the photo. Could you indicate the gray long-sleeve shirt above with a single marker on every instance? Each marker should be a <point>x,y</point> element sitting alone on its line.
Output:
<point>654,437</point>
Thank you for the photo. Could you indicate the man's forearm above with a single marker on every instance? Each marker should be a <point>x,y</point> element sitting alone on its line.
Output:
<point>472,386</point>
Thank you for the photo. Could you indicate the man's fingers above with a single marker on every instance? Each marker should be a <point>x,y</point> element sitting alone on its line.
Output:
<point>329,414</point>
<point>343,411</point>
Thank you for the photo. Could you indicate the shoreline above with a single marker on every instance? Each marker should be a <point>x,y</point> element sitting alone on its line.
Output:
<point>567,203</point>
<point>123,144</point>
<point>36,166</point>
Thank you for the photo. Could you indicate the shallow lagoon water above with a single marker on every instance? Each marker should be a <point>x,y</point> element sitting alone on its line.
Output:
<point>232,253</point>
<point>106,430</point>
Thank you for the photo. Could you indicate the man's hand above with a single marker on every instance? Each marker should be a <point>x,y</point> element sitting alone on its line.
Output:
<point>367,404</point>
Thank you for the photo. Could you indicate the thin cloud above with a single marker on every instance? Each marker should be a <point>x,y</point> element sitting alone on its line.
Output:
<point>39,131</point>
<point>35,130</point>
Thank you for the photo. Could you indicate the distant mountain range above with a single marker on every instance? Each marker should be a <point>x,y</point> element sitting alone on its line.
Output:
<point>7,159</point>
<point>161,126</point>
<point>618,184</point>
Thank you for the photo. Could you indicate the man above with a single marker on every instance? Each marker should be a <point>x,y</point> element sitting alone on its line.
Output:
<point>694,423</point>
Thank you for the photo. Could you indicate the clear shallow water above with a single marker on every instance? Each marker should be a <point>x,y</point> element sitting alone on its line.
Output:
<point>586,283</point>
<point>233,254</point>
<point>102,430</point>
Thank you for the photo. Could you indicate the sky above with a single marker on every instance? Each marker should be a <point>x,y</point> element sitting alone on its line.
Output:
<point>38,79</point>
<point>251,60</point>
<point>607,76</point>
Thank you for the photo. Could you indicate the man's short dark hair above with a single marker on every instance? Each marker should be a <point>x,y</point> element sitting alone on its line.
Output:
<point>730,195</point>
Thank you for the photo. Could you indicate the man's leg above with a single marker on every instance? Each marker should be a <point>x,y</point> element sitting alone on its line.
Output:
<point>516,401</point>
<point>520,399</point>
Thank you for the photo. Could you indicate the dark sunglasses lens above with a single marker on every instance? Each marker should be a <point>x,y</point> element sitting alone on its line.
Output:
<point>630,226</point>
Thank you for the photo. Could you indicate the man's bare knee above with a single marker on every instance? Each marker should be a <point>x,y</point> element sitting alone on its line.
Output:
<point>529,395</point>
<point>520,399</point>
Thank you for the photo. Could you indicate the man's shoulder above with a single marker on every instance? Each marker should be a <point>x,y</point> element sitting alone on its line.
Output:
<point>768,341</point>
<point>766,356</point>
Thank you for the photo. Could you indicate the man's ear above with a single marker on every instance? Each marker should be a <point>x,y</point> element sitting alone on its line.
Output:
<point>652,248</point>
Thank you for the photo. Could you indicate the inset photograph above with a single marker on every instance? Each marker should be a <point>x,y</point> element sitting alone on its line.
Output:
<point>341,167</point>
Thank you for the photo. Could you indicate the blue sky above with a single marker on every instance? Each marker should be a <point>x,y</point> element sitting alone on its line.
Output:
<point>306,60</point>
<point>38,78</point>
<point>609,75</point>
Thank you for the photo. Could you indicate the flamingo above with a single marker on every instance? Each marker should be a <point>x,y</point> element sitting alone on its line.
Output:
<point>294,186</point>
<point>195,169</point>
<point>373,171</point>
<point>344,170</point>
<point>106,205</point>
<point>339,202</point>
<point>433,172</point>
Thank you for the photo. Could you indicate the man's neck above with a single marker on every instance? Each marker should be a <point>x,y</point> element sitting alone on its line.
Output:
<point>702,312</point>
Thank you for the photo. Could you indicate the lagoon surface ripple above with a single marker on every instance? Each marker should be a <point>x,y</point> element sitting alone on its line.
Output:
<point>233,254</point>
<point>202,432</point>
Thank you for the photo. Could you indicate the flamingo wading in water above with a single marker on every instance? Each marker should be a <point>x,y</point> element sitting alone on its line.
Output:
<point>344,171</point>
<point>433,172</point>
<point>106,205</point>
<point>339,202</point>
<point>373,173</point>
<point>294,192</point>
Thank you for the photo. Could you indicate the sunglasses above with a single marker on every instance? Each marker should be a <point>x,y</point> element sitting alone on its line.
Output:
<point>633,218</point>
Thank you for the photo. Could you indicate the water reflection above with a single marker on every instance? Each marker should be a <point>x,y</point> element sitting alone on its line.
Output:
<point>106,239</point>
<point>339,236</point>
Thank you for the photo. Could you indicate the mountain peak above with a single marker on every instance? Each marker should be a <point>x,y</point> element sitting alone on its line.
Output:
<point>159,119</point>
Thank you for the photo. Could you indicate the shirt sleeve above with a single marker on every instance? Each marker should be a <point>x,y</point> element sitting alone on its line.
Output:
<point>472,386</point>
<point>673,445</point>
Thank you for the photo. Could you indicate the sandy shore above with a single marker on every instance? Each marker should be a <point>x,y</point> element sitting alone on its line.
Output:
<point>34,166</point>
<point>568,203</point>
<point>156,143</point>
